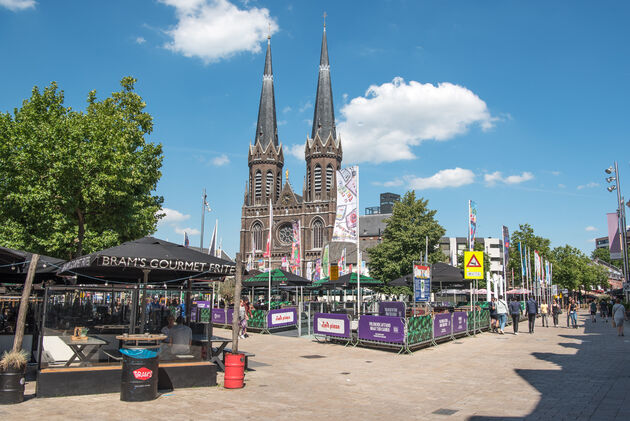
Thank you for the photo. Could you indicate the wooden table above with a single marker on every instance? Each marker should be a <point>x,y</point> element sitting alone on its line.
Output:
<point>216,356</point>
<point>79,348</point>
<point>141,341</point>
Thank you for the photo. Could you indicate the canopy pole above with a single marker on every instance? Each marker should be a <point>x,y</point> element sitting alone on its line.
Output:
<point>143,305</point>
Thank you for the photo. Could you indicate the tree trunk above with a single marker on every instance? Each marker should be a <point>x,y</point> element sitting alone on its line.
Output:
<point>26,292</point>
<point>237,301</point>
<point>81,233</point>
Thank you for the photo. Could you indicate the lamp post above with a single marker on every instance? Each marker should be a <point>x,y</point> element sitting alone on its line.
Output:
<point>621,214</point>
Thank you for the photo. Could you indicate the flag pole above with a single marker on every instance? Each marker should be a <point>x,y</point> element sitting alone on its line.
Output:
<point>358,251</point>
<point>269,251</point>
<point>203,215</point>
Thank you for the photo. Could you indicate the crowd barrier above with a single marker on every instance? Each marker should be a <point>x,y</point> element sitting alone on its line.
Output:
<point>400,333</point>
<point>262,320</point>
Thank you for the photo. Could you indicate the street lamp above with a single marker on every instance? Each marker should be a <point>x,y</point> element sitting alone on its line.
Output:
<point>621,214</point>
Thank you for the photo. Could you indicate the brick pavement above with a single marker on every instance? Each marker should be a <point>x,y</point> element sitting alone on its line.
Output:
<point>554,374</point>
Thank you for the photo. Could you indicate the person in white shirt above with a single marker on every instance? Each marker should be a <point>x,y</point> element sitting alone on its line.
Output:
<point>180,338</point>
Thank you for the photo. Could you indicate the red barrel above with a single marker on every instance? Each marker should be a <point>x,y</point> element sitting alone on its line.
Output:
<point>234,371</point>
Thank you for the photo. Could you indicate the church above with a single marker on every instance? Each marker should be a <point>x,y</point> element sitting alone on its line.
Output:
<point>315,206</point>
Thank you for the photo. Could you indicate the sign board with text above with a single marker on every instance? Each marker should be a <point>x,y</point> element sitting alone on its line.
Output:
<point>421,282</point>
<point>473,264</point>
<point>329,324</point>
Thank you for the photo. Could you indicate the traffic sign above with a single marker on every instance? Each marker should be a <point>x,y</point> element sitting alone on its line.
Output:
<point>473,264</point>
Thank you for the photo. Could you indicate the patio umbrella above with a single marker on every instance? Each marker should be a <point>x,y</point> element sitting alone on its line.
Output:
<point>13,265</point>
<point>347,280</point>
<point>150,258</point>
<point>279,277</point>
<point>518,291</point>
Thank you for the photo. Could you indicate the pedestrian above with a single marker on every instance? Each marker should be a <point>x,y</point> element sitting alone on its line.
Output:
<point>603,310</point>
<point>502,312</point>
<point>531,308</point>
<point>242,317</point>
<point>568,313</point>
<point>555,311</point>
<point>515,312</point>
<point>544,312</point>
<point>593,311</point>
<point>493,314</point>
<point>618,316</point>
<point>573,313</point>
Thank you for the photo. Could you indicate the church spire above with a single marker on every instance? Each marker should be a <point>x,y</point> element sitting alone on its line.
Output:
<point>324,116</point>
<point>267,129</point>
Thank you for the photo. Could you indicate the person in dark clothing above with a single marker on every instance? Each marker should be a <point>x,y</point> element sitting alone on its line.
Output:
<point>515,312</point>
<point>494,317</point>
<point>531,308</point>
<point>555,311</point>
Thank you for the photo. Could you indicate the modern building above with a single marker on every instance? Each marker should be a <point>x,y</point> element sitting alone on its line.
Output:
<point>314,208</point>
<point>602,242</point>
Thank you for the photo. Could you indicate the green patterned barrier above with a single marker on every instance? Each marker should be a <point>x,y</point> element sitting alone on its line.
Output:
<point>419,329</point>
<point>258,319</point>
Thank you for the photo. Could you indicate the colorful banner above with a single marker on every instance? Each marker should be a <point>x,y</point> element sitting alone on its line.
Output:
<point>419,329</point>
<point>332,325</point>
<point>472,224</point>
<point>268,246</point>
<point>442,325</point>
<point>614,242</point>
<point>421,283</point>
<point>218,316</point>
<point>391,308</point>
<point>296,258</point>
<point>309,271</point>
<point>341,264</point>
<point>325,267</point>
<point>506,247</point>
<point>282,317</point>
<point>460,321</point>
<point>347,200</point>
<point>318,270</point>
<point>382,329</point>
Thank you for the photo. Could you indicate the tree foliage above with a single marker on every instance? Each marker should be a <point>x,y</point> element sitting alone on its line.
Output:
<point>75,182</point>
<point>526,236</point>
<point>573,270</point>
<point>404,240</point>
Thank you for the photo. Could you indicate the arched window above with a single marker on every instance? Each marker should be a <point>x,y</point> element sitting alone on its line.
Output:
<point>318,178</point>
<point>318,234</point>
<point>258,189</point>
<point>308,179</point>
<point>269,184</point>
<point>257,234</point>
<point>278,184</point>
<point>329,177</point>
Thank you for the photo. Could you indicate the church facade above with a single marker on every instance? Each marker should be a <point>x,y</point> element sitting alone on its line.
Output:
<point>315,207</point>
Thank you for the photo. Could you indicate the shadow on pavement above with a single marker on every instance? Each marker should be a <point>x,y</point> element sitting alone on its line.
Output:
<point>591,383</point>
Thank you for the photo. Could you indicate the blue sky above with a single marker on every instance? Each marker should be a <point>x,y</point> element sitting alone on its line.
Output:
<point>519,106</point>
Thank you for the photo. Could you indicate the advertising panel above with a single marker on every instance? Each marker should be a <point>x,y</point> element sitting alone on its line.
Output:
<point>391,308</point>
<point>282,317</point>
<point>460,321</point>
<point>421,282</point>
<point>332,325</point>
<point>442,324</point>
<point>382,328</point>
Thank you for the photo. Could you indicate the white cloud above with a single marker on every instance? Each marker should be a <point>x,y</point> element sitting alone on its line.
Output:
<point>282,122</point>
<point>213,30</point>
<point>390,119</point>
<point>140,40</point>
<point>555,172</point>
<point>17,5</point>
<point>588,185</point>
<point>286,109</point>
<point>392,183</point>
<point>454,177</point>
<point>189,231</point>
<point>296,151</point>
<point>562,186</point>
<point>497,177</point>
<point>590,228</point>
<point>220,160</point>
<point>306,106</point>
<point>173,216</point>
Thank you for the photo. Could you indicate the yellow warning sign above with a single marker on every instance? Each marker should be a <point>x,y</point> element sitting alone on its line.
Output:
<point>473,264</point>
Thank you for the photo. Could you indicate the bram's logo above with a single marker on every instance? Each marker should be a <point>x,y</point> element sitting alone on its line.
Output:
<point>142,373</point>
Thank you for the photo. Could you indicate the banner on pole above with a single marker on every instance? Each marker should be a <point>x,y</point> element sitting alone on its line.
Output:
<point>472,224</point>
<point>506,246</point>
<point>421,283</point>
<point>325,262</point>
<point>347,212</point>
<point>614,242</point>
<point>473,264</point>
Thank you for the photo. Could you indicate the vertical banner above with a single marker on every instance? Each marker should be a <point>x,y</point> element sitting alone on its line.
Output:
<point>318,270</point>
<point>614,244</point>
<point>472,224</point>
<point>347,212</point>
<point>268,247</point>
<point>506,246</point>
<point>325,263</point>
<point>341,264</point>
<point>296,258</point>
<point>309,271</point>
<point>421,282</point>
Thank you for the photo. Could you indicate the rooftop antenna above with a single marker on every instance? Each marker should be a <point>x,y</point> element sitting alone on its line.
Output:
<point>325,20</point>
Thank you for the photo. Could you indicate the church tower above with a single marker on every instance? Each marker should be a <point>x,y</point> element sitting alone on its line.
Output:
<point>323,151</point>
<point>265,157</point>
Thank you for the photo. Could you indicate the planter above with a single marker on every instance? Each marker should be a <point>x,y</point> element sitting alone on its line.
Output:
<point>12,386</point>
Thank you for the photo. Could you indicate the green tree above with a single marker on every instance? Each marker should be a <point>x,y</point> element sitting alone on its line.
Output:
<point>404,240</point>
<point>75,182</point>
<point>602,254</point>
<point>525,235</point>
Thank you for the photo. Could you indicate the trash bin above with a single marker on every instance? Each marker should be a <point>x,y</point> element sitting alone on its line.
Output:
<point>139,374</point>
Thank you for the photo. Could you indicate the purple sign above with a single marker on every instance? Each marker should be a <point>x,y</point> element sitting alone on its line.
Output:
<point>282,317</point>
<point>382,328</point>
<point>218,316</point>
<point>442,325</point>
<point>332,325</point>
<point>391,308</point>
<point>229,315</point>
<point>460,321</point>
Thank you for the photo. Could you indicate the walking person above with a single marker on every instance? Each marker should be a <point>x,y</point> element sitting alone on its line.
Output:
<point>568,313</point>
<point>531,308</point>
<point>573,313</point>
<point>544,312</point>
<point>603,310</point>
<point>502,312</point>
<point>493,315</point>
<point>619,316</point>
<point>242,317</point>
<point>593,307</point>
<point>556,310</point>
<point>515,312</point>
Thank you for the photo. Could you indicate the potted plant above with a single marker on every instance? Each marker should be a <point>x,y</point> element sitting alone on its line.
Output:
<point>12,371</point>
